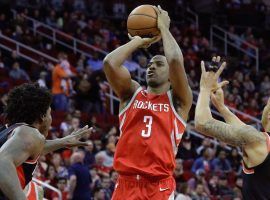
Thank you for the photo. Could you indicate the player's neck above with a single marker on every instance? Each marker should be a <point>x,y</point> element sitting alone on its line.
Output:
<point>158,90</point>
<point>35,125</point>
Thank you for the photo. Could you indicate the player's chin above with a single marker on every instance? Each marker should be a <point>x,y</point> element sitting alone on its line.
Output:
<point>152,82</point>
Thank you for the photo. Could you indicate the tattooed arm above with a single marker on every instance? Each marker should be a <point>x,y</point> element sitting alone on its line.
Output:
<point>236,134</point>
<point>233,134</point>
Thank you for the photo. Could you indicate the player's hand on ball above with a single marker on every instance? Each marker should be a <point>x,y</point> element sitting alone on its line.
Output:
<point>209,79</point>
<point>163,18</point>
<point>145,42</point>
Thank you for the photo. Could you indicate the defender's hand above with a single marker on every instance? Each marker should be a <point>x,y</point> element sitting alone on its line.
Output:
<point>209,79</point>
<point>73,140</point>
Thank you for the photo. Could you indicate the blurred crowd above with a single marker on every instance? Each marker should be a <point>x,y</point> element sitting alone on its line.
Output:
<point>204,170</point>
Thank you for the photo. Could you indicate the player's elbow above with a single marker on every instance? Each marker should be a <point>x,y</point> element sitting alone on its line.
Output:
<point>107,63</point>
<point>200,123</point>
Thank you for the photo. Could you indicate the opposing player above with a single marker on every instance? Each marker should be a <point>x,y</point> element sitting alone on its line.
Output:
<point>22,141</point>
<point>255,144</point>
<point>152,121</point>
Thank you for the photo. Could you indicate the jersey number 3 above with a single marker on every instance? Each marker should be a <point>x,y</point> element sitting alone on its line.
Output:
<point>148,120</point>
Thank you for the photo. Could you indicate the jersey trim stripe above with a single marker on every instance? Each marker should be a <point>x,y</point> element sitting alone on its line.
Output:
<point>130,102</point>
<point>28,188</point>
<point>34,161</point>
<point>169,93</point>
<point>173,143</point>
<point>122,123</point>
<point>21,176</point>
<point>245,170</point>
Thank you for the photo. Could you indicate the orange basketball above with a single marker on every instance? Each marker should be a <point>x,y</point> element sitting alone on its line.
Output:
<point>142,21</point>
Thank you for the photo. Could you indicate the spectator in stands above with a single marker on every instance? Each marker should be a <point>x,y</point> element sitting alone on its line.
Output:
<point>99,194</point>
<point>213,184</point>
<point>42,79</point>
<point>142,61</point>
<point>114,176</point>
<point>183,192</point>
<point>51,19</point>
<point>58,164</point>
<point>200,193</point>
<point>62,186</point>
<point>223,189</point>
<point>65,125</point>
<point>205,144</point>
<point>106,186</point>
<point>50,175</point>
<point>99,166</point>
<point>3,22</point>
<point>200,178</point>
<point>95,63</point>
<point>107,155</point>
<point>178,171</point>
<point>79,178</point>
<point>235,161</point>
<point>61,84</point>
<point>131,65</point>
<point>89,158</point>
<point>186,150</point>
<point>17,73</point>
<point>203,162</point>
<point>221,163</point>
<point>265,84</point>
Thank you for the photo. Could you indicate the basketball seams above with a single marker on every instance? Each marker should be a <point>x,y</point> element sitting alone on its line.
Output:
<point>142,21</point>
<point>143,15</point>
<point>141,28</point>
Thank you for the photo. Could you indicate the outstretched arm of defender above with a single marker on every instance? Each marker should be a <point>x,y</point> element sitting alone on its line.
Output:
<point>236,134</point>
<point>174,56</point>
<point>24,144</point>
<point>117,75</point>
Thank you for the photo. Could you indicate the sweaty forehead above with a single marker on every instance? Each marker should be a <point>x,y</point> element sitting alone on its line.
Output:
<point>158,58</point>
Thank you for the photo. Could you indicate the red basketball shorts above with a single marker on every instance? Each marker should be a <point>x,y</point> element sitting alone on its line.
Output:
<point>140,188</point>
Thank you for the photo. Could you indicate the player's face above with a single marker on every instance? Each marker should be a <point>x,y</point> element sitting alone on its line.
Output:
<point>266,117</point>
<point>46,122</point>
<point>157,72</point>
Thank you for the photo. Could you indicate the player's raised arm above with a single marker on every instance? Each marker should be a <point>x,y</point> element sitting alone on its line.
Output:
<point>174,56</point>
<point>117,75</point>
<point>236,134</point>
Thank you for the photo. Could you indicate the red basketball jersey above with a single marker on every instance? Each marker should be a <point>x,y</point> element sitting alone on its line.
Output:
<point>150,131</point>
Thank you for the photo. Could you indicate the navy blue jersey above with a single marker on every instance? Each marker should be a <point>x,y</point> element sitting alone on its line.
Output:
<point>25,170</point>
<point>256,181</point>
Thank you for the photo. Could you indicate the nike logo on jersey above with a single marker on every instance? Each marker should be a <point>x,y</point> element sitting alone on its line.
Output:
<point>163,189</point>
<point>147,105</point>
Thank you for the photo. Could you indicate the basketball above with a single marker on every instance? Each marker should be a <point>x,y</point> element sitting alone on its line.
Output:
<point>142,21</point>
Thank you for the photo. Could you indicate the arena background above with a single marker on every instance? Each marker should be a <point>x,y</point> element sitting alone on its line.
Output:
<point>35,34</point>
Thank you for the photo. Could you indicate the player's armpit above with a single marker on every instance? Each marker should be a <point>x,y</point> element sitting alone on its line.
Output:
<point>235,135</point>
<point>181,108</point>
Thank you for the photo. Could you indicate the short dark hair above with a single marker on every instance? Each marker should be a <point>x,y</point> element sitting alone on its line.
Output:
<point>27,103</point>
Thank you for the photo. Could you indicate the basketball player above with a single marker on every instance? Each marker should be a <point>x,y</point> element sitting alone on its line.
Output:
<point>22,141</point>
<point>152,121</point>
<point>255,144</point>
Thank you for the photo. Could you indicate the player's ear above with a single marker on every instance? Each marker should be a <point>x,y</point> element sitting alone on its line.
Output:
<point>43,117</point>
